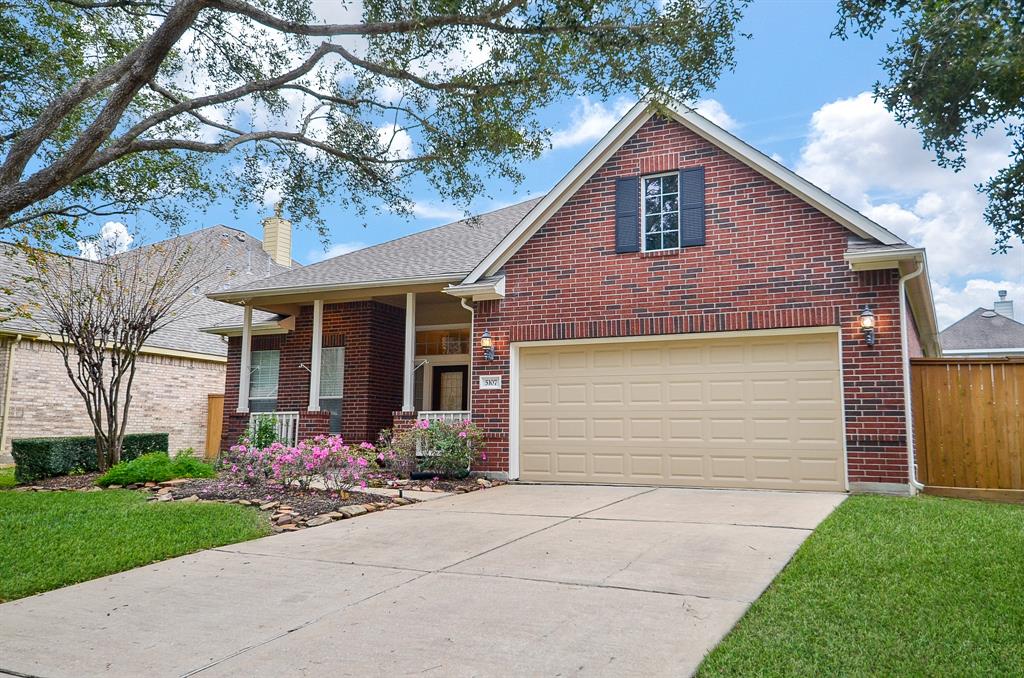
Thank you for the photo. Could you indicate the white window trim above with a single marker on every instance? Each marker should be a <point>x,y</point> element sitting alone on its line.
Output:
<point>643,212</point>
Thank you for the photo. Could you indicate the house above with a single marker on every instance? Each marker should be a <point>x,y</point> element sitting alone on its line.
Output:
<point>679,309</point>
<point>985,333</point>
<point>178,369</point>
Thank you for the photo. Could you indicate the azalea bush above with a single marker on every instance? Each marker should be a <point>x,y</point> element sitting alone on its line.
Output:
<point>323,461</point>
<point>442,448</point>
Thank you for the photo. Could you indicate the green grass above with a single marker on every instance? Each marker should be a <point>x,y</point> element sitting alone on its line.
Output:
<point>7,477</point>
<point>891,587</point>
<point>156,467</point>
<point>52,539</point>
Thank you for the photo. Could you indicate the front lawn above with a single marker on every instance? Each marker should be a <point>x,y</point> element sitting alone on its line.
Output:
<point>891,587</point>
<point>7,477</point>
<point>52,539</point>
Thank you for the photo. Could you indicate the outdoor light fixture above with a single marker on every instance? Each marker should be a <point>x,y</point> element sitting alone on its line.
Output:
<point>867,325</point>
<point>488,345</point>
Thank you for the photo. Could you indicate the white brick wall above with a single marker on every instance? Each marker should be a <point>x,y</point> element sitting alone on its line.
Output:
<point>169,396</point>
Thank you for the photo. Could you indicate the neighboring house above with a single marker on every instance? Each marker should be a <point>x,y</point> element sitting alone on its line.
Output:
<point>177,370</point>
<point>985,333</point>
<point>678,310</point>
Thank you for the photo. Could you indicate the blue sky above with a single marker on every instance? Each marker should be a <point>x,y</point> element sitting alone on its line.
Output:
<point>801,96</point>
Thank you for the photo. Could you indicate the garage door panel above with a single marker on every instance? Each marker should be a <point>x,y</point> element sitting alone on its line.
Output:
<point>752,412</point>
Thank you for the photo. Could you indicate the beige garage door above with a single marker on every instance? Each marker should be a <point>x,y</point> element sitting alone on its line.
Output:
<point>759,412</point>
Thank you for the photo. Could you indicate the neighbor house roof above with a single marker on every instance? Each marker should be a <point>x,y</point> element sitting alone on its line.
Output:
<point>243,260</point>
<point>981,329</point>
<point>447,252</point>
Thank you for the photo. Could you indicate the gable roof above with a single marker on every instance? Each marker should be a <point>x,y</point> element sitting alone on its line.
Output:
<point>244,259</point>
<point>983,328</point>
<point>443,253</point>
<point>856,222</point>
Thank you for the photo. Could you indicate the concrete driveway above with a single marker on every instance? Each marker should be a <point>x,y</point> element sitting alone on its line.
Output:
<point>526,580</point>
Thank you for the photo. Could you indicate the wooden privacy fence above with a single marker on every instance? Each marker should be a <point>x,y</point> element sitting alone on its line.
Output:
<point>214,420</point>
<point>968,426</point>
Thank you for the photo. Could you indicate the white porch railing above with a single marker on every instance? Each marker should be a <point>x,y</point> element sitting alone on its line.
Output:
<point>285,423</point>
<point>449,416</point>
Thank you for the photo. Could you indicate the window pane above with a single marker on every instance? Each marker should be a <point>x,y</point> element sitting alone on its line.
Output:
<point>670,203</point>
<point>652,186</point>
<point>332,372</point>
<point>670,222</point>
<point>332,405</point>
<point>262,404</point>
<point>671,239</point>
<point>653,223</point>
<point>653,241</point>
<point>263,374</point>
<point>670,184</point>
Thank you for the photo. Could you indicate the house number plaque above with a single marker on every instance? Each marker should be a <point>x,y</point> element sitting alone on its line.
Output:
<point>490,382</point>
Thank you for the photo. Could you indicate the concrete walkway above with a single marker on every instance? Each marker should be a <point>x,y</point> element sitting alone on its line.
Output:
<point>520,580</point>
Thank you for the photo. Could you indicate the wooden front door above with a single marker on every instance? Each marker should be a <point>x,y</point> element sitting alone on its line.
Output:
<point>450,387</point>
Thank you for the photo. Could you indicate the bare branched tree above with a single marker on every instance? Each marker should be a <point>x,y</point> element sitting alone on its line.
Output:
<point>102,313</point>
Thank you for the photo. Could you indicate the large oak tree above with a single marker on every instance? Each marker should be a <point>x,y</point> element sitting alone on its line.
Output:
<point>163,106</point>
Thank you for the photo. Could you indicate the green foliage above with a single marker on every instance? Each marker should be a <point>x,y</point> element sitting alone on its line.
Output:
<point>444,91</point>
<point>7,479</point>
<point>55,539</point>
<point>261,434</point>
<point>891,587</point>
<point>156,467</point>
<point>440,448</point>
<point>37,458</point>
<point>955,69</point>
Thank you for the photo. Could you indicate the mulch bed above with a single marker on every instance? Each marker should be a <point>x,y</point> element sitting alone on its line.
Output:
<point>309,503</point>
<point>79,482</point>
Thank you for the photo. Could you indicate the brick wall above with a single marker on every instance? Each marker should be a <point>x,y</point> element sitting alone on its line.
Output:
<point>770,261</point>
<point>169,396</point>
<point>373,336</point>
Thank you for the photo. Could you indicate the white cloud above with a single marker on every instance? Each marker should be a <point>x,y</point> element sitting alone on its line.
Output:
<point>715,112</point>
<point>589,121</point>
<point>396,142</point>
<point>952,304</point>
<point>857,152</point>
<point>335,250</point>
<point>113,238</point>
<point>426,210</point>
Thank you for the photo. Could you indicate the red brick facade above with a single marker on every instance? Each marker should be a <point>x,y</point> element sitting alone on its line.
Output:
<point>372,334</point>
<point>770,261</point>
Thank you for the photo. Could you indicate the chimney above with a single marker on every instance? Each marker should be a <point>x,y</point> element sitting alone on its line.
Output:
<point>1003,307</point>
<point>277,238</point>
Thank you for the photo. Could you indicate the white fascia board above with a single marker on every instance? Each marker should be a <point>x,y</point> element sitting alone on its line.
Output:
<point>236,330</point>
<point>875,260</point>
<point>479,291</point>
<point>623,130</point>
<point>249,295</point>
<point>982,351</point>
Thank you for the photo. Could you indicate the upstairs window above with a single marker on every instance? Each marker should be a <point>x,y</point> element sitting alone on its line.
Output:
<point>263,376</point>
<point>660,218</point>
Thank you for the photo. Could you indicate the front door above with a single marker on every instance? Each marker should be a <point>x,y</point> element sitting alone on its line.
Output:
<point>450,386</point>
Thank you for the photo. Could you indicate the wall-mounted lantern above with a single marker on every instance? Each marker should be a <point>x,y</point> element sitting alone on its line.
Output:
<point>487,344</point>
<point>867,325</point>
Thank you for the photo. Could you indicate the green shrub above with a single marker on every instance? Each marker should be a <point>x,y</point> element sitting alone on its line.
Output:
<point>441,448</point>
<point>262,433</point>
<point>156,467</point>
<point>37,458</point>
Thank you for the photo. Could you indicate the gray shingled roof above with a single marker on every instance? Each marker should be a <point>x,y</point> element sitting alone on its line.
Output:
<point>983,328</point>
<point>244,260</point>
<point>453,249</point>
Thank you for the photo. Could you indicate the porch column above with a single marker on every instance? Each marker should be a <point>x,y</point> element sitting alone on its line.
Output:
<point>314,360</point>
<point>246,365</point>
<point>410,352</point>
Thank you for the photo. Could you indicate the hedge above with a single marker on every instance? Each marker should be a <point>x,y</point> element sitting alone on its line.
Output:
<point>36,458</point>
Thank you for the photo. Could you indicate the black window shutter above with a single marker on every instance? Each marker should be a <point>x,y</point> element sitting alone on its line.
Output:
<point>627,215</point>
<point>691,207</point>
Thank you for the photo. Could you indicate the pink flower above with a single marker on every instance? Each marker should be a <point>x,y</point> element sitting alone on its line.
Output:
<point>462,434</point>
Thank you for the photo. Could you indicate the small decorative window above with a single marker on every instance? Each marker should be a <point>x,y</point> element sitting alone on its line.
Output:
<point>660,212</point>
<point>265,367</point>
<point>332,384</point>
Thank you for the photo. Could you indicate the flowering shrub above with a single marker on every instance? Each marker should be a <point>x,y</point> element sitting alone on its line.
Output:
<point>442,448</point>
<point>324,460</point>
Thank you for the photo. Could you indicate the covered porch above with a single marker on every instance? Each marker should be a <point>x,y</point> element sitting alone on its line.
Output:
<point>349,362</point>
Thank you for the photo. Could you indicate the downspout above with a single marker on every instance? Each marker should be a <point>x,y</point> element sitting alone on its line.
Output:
<point>907,404</point>
<point>8,378</point>
<point>472,319</point>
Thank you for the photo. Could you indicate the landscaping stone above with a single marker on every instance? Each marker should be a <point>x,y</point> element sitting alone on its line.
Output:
<point>269,505</point>
<point>173,483</point>
<point>352,511</point>
<point>191,499</point>
<point>335,515</point>
<point>165,497</point>
<point>401,501</point>
<point>114,487</point>
<point>318,520</point>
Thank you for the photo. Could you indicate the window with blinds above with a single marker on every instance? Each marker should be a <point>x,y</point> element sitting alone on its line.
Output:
<point>332,384</point>
<point>263,377</point>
